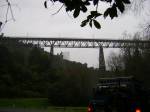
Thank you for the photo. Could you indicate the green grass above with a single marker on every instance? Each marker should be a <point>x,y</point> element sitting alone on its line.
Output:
<point>37,103</point>
<point>24,103</point>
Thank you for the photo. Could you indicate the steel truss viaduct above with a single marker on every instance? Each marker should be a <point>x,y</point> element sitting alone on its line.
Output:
<point>81,43</point>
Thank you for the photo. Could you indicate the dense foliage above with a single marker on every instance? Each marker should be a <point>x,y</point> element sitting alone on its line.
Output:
<point>31,72</point>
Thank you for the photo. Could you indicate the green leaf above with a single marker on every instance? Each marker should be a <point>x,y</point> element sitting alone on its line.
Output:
<point>84,23</point>
<point>84,9</point>
<point>95,2</point>
<point>93,12</point>
<point>90,23</point>
<point>98,14</point>
<point>106,13</point>
<point>113,12</point>
<point>126,1</point>
<point>76,13</point>
<point>90,17</point>
<point>120,6</point>
<point>86,2</point>
<point>97,25</point>
<point>45,4</point>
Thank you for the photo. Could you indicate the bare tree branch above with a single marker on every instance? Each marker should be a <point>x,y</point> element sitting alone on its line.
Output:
<point>12,15</point>
<point>58,10</point>
<point>6,14</point>
<point>9,9</point>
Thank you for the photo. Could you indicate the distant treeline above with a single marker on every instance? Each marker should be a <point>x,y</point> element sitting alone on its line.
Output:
<point>133,61</point>
<point>31,72</point>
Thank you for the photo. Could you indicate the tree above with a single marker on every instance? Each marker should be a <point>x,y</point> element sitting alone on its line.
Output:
<point>115,62</point>
<point>132,61</point>
<point>78,6</point>
<point>137,6</point>
<point>140,9</point>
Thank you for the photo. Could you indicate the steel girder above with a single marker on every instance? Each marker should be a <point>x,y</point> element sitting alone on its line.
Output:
<point>80,42</point>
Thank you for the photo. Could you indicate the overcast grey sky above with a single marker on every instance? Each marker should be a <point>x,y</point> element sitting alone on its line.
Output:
<point>32,19</point>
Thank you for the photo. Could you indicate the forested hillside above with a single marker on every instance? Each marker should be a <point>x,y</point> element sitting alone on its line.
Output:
<point>27,72</point>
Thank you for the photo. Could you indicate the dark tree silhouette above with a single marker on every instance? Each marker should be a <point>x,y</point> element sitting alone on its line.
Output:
<point>27,72</point>
<point>77,6</point>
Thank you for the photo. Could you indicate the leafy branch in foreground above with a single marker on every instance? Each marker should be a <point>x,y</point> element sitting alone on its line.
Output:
<point>78,6</point>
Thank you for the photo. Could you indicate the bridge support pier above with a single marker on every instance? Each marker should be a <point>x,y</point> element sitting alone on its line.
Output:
<point>52,50</point>
<point>102,66</point>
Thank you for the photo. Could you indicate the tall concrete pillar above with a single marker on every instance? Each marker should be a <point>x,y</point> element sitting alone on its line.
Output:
<point>52,50</point>
<point>102,66</point>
